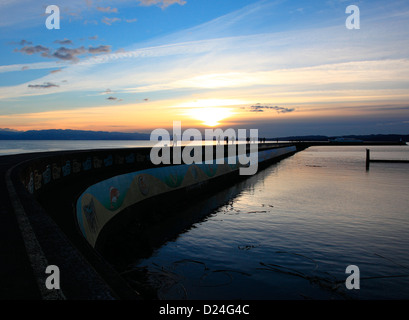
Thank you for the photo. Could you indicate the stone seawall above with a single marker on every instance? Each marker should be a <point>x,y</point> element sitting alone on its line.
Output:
<point>51,192</point>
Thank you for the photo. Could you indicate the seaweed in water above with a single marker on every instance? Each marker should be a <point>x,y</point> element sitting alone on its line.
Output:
<point>167,283</point>
<point>247,247</point>
<point>226,272</point>
<point>324,280</point>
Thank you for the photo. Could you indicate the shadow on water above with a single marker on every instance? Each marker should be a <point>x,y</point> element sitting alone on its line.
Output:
<point>143,228</point>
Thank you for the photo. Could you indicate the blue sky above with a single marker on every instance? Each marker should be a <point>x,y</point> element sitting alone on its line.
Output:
<point>284,67</point>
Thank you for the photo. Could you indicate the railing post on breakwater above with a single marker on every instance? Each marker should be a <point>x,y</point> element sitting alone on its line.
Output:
<point>368,158</point>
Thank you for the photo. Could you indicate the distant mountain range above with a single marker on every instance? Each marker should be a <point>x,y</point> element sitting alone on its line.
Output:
<point>371,137</point>
<point>58,134</point>
<point>7,134</point>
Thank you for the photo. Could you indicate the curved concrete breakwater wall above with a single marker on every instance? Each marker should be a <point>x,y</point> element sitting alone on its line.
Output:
<point>83,191</point>
<point>99,203</point>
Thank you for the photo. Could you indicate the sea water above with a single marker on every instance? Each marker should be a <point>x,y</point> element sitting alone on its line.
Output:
<point>290,232</point>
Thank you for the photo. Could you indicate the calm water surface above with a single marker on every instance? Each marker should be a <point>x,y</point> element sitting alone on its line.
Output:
<point>290,231</point>
<point>8,147</point>
<point>27,146</point>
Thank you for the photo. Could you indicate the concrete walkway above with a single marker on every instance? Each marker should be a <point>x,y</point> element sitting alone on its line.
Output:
<point>30,241</point>
<point>17,280</point>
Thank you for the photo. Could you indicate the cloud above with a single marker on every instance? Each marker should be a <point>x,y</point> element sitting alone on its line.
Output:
<point>64,53</point>
<point>24,68</point>
<point>107,91</point>
<point>100,49</point>
<point>62,42</point>
<point>45,85</point>
<point>131,20</point>
<point>33,49</point>
<point>107,9</point>
<point>111,98</point>
<point>161,3</point>
<point>31,66</point>
<point>110,21</point>
<point>67,54</point>
<point>21,43</point>
<point>90,22</point>
<point>289,67</point>
<point>93,37</point>
<point>260,108</point>
<point>72,54</point>
<point>24,42</point>
<point>56,71</point>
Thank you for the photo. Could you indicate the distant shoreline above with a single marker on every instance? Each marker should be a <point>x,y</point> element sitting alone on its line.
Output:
<point>83,135</point>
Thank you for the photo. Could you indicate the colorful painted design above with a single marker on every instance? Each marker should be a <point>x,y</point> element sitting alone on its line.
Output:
<point>66,169</point>
<point>140,158</point>
<point>113,196</point>
<point>143,186</point>
<point>96,206</point>
<point>91,215</point>
<point>108,161</point>
<point>130,158</point>
<point>30,184</point>
<point>87,164</point>
<point>119,159</point>
<point>76,166</point>
<point>37,180</point>
<point>195,172</point>
<point>97,163</point>
<point>174,180</point>
<point>47,175</point>
<point>210,169</point>
<point>56,171</point>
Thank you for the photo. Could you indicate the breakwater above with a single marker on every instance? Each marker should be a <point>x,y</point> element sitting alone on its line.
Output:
<point>69,198</point>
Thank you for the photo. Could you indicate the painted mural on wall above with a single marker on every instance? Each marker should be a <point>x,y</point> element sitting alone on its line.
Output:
<point>39,174</point>
<point>102,201</point>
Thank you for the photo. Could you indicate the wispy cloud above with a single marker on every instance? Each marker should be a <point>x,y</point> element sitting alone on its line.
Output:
<point>107,9</point>
<point>261,108</point>
<point>33,49</point>
<point>86,22</point>
<point>100,49</point>
<point>64,53</point>
<point>21,43</point>
<point>161,3</point>
<point>107,91</point>
<point>32,66</point>
<point>110,21</point>
<point>296,67</point>
<point>45,85</point>
<point>111,98</point>
<point>64,42</point>
<point>68,54</point>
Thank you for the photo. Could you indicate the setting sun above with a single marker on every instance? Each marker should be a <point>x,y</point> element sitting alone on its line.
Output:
<point>210,116</point>
<point>210,111</point>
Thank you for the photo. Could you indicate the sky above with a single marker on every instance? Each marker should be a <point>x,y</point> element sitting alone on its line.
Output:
<point>283,67</point>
